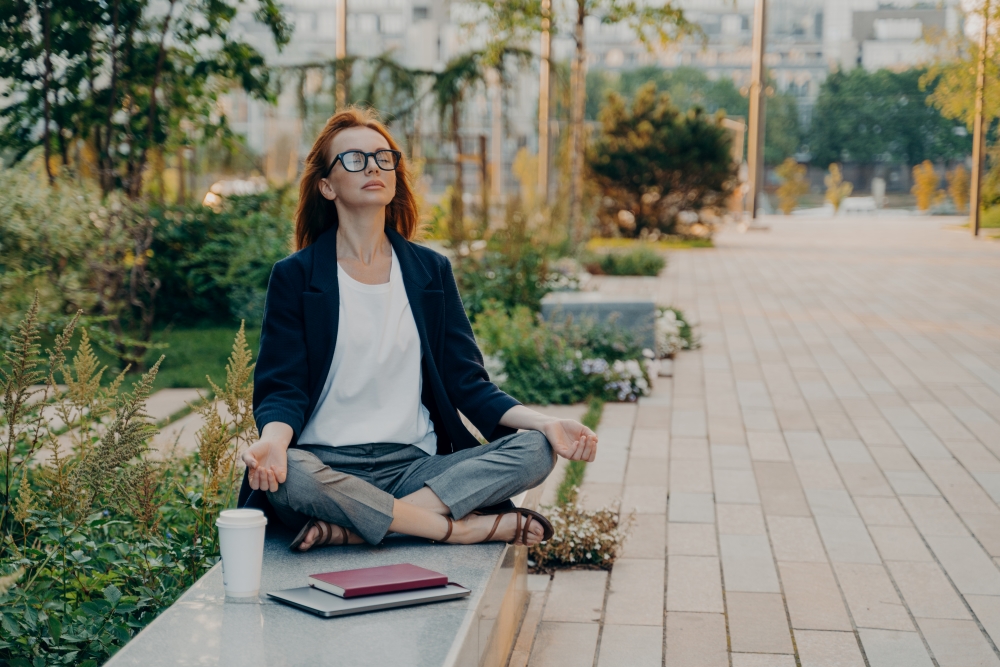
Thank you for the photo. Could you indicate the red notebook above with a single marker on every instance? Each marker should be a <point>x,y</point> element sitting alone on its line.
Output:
<point>373,580</point>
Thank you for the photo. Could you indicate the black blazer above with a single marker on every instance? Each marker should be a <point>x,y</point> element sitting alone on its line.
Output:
<point>299,334</point>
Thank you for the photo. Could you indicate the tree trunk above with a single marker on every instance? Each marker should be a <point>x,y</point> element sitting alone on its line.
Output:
<point>47,82</point>
<point>457,222</point>
<point>105,164</point>
<point>578,95</point>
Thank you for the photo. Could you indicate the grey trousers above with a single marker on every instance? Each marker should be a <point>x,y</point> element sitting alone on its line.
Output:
<point>354,486</point>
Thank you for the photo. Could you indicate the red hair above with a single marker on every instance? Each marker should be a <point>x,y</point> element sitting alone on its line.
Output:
<point>316,214</point>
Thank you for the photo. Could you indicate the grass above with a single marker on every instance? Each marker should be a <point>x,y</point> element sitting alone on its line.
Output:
<point>566,493</point>
<point>194,353</point>
<point>671,243</point>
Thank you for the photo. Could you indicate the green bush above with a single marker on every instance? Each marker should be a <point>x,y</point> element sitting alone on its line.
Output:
<point>214,265</point>
<point>990,218</point>
<point>540,362</point>
<point>640,261</point>
<point>96,537</point>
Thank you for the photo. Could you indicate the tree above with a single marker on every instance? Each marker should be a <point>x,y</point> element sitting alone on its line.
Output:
<point>925,185</point>
<point>958,188</point>
<point>793,184</point>
<point>689,87</point>
<point>106,83</point>
<point>837,190</point>
<point>651,162</point>
<point>514,20</point>
<point>881,116</point>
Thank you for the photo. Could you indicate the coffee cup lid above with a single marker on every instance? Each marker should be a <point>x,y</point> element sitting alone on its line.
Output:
<point>244,517</point>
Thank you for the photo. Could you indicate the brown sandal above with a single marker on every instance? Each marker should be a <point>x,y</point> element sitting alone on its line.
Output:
<point>325,537</point>
<point>522,533</point>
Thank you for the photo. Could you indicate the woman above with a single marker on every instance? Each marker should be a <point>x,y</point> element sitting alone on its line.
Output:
<point>367,357</point>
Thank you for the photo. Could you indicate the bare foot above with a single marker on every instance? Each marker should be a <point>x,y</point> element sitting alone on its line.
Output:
<point>337,536</point>
<point>474,529</point>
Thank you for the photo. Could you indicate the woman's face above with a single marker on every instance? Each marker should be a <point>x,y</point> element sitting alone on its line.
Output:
<point>367,188</point>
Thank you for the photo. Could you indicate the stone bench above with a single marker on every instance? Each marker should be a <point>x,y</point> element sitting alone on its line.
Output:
<point>477,631</point>
<point>636,314</point>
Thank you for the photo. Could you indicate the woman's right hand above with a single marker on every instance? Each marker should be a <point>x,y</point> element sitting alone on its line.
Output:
<point>267,459</point>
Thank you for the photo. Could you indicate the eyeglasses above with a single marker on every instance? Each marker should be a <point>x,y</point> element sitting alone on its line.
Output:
<point>355,161</point>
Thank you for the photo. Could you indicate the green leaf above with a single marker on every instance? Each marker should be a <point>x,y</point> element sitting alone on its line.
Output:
<point>10,626</point>
<point>55,628</point>
<point>88,663</point>
<point>112,594</point>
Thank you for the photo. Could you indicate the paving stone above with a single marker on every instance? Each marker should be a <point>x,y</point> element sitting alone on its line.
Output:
<point>689,449</point>
<point>894,459</point>
<point>865,479</point>
<point>696,640</point>
<point>609,467</point>
<point>875,431</point>
<point>757,623</point>
<point>780,492</point>
<point>595,496</point>
<point>737,457</point>
<point>690,477</point>
<point>689,423</point>
<point>735,486</point>
<point>812,596</point>
<point>846,540</point>
<point>767,446</point>
<point>887,648</point>
<point>967,565</point>
<point>899,543</point>
<point>652,417</point>
<point>692,508</point>
<point>633,645</point>
<point>828,649</point>
<point>960,488</point>
<point>647,538</point>
<point>923,444</point>
<point>871,597</point>
<point>933,516</point>
<point>912,483</point>
<point>644,500</point>
<point>819,475</point>
<point>576,596</point>
<point>644,471</point>
<point>649,443</point>
<point>760,419</point>
<point>957,643</point>
<point>986,528</point>
<point>806,445</point>
<point>739,519</point>
<point>848,451</point>
<point>564,645</point>
<point>926,591</point>
<point>830,503</point>
<point>747,564</point>
<point>987,610</point>
<point>694,583</point>
<point>762,660</point>
<point>635,594</point>
<point>795,539</point>
<point>691,539</point>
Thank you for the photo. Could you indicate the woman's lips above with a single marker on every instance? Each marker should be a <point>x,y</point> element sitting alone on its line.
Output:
<point>373,184</point>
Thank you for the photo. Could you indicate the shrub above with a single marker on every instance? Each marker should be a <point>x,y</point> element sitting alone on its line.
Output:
<point>542,362</point>
<point>837,190</point>
<point>673,333</point>
<point>794,184</point>
<point>639,261</point>
<point>97,537</point>
<point>958,188</point>
<point>581,538</point>
<point>214,265</point>
<point>650,162</point>
<point>925,185</point>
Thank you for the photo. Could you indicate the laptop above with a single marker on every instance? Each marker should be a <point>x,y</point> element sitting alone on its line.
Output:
<point>328,605</point>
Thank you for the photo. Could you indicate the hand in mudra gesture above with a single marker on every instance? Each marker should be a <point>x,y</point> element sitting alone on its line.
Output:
<point>267,461</point>
<point>571,439</point>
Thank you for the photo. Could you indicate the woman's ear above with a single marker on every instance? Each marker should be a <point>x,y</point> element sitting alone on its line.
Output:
<point>327,190</point>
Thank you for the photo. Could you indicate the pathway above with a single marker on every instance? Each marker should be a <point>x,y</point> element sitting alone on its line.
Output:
<point>832,456</point>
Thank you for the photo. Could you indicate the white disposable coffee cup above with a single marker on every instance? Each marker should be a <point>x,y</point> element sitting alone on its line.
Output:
<point>241,541</point>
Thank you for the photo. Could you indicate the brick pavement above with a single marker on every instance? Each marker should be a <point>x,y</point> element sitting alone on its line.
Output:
<point>832,456</point>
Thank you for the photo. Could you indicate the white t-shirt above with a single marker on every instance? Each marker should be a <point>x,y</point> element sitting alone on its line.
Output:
<point>372,393</point>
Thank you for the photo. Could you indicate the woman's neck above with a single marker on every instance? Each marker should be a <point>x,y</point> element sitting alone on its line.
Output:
<point>361,236</point>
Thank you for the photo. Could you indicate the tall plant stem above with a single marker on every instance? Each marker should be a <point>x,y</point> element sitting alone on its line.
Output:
<point>46,84</point>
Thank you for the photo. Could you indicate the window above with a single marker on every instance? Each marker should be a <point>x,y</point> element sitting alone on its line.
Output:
<point>392,24</point>
<point>421,13</point>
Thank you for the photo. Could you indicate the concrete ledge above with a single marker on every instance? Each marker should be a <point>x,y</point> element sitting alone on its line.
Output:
<point>636,314</point>
<point>477,631</point>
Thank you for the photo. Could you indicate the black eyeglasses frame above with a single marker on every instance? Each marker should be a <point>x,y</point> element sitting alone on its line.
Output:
<point>340,158</point>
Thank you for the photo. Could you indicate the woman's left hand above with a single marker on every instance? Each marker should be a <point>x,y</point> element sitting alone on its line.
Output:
<point>571,439</point>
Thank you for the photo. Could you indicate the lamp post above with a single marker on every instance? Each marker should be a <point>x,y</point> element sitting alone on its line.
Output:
<point>544,73</point>
<point>978,136</point>
<point>341,93</point>
<point>755,140</point>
